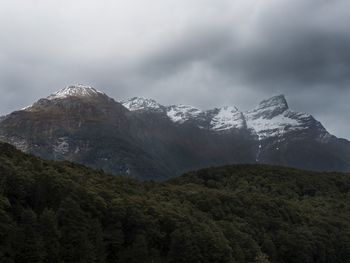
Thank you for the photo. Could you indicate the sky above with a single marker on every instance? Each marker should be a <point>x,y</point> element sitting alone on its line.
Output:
<point>203,53</point>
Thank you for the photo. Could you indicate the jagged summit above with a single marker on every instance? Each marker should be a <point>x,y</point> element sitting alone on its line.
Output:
<point>227,118</point>
<point>271,118</point>
<point>139,103</point>
<point>279,100</point>
<point>78,90</point>
<point>182,113</point>
<point>269,108</point>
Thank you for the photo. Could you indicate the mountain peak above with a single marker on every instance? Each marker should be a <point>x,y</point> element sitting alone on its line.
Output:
<point>275,101</point>
<point>227,118</point>
<point>182,113</point>
<point>78,90</point>
<point>139,103</point>
<point>270,108</point>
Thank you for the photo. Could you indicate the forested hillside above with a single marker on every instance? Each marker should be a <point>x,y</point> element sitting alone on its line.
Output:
<point>63,212</point>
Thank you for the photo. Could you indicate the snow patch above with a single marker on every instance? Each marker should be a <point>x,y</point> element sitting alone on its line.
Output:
<point>182,113</point>
<point>79,90</point>
<point>62,146</point>
<point>138,103</point>
<point>276,126</point>
<point>26,108</point>
<point>227,118</point>
<point>271,118</point>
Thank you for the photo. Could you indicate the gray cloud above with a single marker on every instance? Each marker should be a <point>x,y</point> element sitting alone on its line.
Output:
<point>197,52</point>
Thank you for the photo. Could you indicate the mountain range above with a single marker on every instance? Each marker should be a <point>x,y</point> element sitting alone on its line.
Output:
<point>143,139</point>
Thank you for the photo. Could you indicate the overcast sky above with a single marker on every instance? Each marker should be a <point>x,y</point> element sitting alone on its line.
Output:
<point>204,53</point>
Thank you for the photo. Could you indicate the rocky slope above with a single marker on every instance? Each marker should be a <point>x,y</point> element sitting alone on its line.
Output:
<point>144,139</point>
<point>282,136</point>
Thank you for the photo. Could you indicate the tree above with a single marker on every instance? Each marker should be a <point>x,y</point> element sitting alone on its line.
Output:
<point>28,239</point>
<point>114,239</point>
<point>96,238</point>
<point>7,233</point>
<point>50,236</point>
<point>261,258</point>
<point>75,244</point>
<point>137,251</point>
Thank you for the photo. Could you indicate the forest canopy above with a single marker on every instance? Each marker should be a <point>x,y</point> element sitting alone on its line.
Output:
<point>64,212</point>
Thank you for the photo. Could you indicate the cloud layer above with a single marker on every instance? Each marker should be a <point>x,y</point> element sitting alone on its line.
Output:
<point>200,52</point>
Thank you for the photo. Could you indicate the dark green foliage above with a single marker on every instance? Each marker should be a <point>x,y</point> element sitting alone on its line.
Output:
<point>50,236</point>
<point>7,232</point>
<point>62,212</point>
<point>74,236</point>
<point>28,243</point>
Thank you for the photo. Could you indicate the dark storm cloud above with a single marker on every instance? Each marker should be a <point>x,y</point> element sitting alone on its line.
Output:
<point>197,52</point>
<point>294,47</point>
<point>311,59</point>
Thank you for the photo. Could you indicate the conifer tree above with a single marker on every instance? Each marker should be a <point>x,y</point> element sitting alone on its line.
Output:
<point>28,239</point>
<point>50,236</point>
<point>75,244</point>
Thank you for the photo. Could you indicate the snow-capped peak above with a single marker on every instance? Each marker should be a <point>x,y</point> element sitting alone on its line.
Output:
<point>279,100</point>
<point>273,118</point>
<point>227,118</point>
<point>79,90</point>
<point>138,103</point>
<point>182,113</point>
<point>270,108</point>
